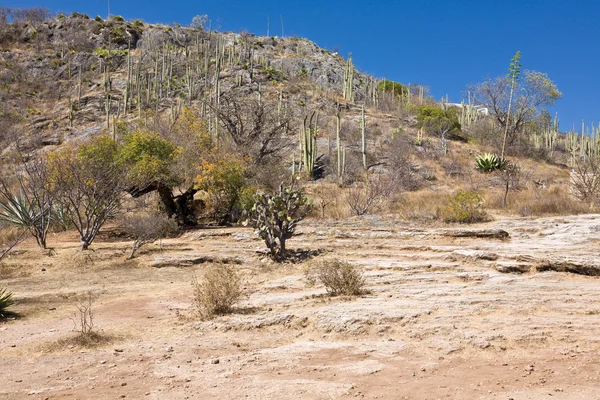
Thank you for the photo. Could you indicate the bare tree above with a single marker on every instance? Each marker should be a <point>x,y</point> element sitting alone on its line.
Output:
<point>255,128</point>
<point>585,179</point>
<point>364,196</point>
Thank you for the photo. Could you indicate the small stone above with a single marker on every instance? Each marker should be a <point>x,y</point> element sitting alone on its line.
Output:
<point>215,361</point>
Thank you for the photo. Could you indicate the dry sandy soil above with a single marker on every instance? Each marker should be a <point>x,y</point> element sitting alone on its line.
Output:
<point>446,317</point>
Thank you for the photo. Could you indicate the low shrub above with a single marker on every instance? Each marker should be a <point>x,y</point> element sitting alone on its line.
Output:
<point>5,301</point>
<point>464,207</point>
<point>146,229</point>
<point>338,277</point>
<point>218,290</point>
<point>489,162</point>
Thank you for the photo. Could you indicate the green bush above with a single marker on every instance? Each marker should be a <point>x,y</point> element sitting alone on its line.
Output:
<point>392,87</point>
<point>464,207</point>
<point>98,19</point>
<point>118,18</point>
<point>489,163</point>
<point>78,15</point>
<point>5,301</point>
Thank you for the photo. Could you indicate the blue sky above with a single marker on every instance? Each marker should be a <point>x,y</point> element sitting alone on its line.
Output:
<point>441,44</point>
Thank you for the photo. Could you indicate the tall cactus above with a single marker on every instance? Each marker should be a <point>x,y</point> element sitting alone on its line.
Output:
<point>348,92</point>
<point>338,120</point>
<point>363,134</point>
<point>309,143</point>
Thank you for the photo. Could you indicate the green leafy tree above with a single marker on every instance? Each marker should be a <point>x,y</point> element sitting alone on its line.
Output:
<point>442,123</point>
<point>165,159</point>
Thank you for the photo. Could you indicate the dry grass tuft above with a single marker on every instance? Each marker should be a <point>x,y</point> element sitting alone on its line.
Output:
<point>89,340</point>
<point>421,206</point>
<point>217,291</point>
<point>338,277</point>
<point>555,200</point>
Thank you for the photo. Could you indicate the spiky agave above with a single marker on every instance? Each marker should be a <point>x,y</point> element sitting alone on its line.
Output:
<point>489,162</point>
<point>5,301</point>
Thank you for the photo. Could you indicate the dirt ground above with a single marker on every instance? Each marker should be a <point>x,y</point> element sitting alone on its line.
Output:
<point>446,317</point>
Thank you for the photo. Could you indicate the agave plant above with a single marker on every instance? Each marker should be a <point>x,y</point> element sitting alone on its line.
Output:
<point>489,162</point>
<point>27,212</point>
<point>5,301</point>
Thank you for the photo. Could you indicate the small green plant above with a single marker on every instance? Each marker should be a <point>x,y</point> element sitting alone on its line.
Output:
<point>338,277</point>
<point>273,73</point>
<point>5,302</point>
<point>60,16</point>
<point>464,207</point>
<point>489,163</point>
<point>98,19</point>
<point>303,71</point>
<point>103,52</point>
<point>218,290</point>
<point>118,18</point>
<point>79,15</point>
<point>276,216</point>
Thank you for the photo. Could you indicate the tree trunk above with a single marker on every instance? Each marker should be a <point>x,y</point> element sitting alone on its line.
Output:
<point>180,206</point>
<point>282,247</point>
<point>505,193</point>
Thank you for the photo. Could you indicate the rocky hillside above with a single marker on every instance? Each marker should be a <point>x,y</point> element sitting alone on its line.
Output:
<point>72,75</point>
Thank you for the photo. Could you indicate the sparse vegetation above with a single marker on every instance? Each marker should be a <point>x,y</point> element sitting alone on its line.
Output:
<point>146,229</point>
<point>338,277</point>
<point>465,207</point>
<point>217,291</point>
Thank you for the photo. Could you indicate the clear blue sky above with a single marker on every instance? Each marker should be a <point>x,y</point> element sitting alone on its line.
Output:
<point>441,44</point>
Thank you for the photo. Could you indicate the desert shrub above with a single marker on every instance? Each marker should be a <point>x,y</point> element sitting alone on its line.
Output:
<point>585,179</point>
<point>83,319</point>
<point>217,291</point>
<point>118,18</point>
<point>338,277</point>
<point>442,123</point>
<point>276,216</point>
<point>145,229</point>
<point>489,162</point>
<point>555,200</point>
<point>464,207</point>
<point>5,301</point>
<point>364,196</point>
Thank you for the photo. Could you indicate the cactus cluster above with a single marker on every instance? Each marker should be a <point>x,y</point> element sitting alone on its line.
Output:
<point>308,143</point>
